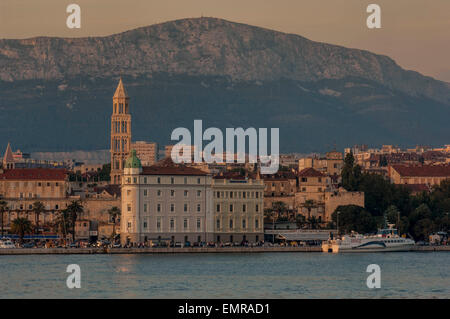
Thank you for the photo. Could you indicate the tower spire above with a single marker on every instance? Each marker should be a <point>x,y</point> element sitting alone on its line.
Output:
<point>120,132</point>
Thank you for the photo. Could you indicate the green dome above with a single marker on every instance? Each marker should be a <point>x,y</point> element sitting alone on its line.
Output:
<point>133,161</point>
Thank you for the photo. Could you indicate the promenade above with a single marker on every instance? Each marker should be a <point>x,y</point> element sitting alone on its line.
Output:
<point>185,250</point>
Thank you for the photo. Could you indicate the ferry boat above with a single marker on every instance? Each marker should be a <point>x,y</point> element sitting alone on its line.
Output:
<point>386,239</point>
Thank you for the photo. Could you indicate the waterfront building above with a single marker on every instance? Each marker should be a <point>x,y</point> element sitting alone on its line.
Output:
<point>280,187</point>
<point>147,152</point>
<point>120,132</point>
<point>238,203</point>
<point>419,174</point>
<point>165,202</point>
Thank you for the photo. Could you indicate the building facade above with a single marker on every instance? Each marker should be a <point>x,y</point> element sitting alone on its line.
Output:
<point>120,132</point>
<point>238,209</point>
<point>147,152</point>
<point>165,202</point>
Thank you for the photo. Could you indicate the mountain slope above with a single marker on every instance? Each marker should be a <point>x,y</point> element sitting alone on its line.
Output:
<point>227,74</point>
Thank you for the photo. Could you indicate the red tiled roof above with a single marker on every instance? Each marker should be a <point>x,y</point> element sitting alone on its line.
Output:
<point>44,174</point>
<point>310,172</point>
<point>110,189</point>
<point>423,170</point>
<point>168,167</point>
<point>417,188</point>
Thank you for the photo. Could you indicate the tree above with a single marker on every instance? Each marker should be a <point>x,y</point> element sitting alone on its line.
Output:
<point>105,172</point>
<point>279,207</point>
<point>74,209</point>
<point>114,212</point>
<point>351,173</point>
<point>38,208</point>
<point>63,223</point>
<point>3,209</point>
<point>356,218</point>
<point>392,215</point>
<point>21,226</point>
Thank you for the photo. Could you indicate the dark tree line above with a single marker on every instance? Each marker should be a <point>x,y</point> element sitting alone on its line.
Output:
<point>419,215</point>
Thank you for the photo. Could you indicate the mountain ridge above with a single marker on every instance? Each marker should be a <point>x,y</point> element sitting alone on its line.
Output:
<point>207,46</point>
<point>56,92</point>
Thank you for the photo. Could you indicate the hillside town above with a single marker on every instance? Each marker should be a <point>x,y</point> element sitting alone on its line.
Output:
<point>143,198</point>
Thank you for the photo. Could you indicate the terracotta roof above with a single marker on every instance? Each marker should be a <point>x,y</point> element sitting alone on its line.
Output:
<point>417,188</point>
<point>44,174</point>
<point>168,167</point>
<point>423,170</point>
<point>310,172</point>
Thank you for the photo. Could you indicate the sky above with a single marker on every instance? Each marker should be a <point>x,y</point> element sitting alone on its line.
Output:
<point>415,33</point>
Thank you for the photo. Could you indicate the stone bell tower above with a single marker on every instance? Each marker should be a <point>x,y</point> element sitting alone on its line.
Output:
<point>120,133</point>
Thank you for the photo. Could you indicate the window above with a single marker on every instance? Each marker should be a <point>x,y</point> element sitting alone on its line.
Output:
<point>172,224</point>
<point>199,223</point>
<point>231,208</point>
<point>257,194</point>
<point>244,194</point>
<point>172,207</point>
<point>129,224</point>
<point>129,207</point>
<point>186,193</point>
<point>185,224</point>
<point>257,208</point>
<point>145,224</point>
<point>256,223</point>
<point>244,208</point>
<point>218,208</point>
<point>218,194</point>
<point>158,207</point>
<point>135,180</point>
<point>172,180</point>
<point>158,223</point>
<point>231,224</point>
<point>198,181</point>
<point>172,193</point>
<point>145,180</point>
<point>244,224</point>
<point>218,224</point>
<point>185,180</point>
<point>159,180</point>
<point>185,207</point>
<point>48,184</point>
<point>145,192</point>
<point>159,193</point>
<point>199,207</point>
<point>128,192</point>
<point>231,194</point>
<point>145,208</point>
<point>199,193</point>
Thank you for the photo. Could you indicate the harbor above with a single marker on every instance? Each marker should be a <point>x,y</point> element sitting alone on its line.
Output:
<point>184,250</point>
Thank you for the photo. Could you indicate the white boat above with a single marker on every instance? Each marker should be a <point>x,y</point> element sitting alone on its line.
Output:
<point>6,243</point>
<point>386,239</point>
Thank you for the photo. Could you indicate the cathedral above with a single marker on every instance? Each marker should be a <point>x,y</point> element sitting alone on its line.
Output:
<point>120,132</point>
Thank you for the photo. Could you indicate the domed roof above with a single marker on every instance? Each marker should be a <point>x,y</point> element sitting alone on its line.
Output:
<point>133,161</point>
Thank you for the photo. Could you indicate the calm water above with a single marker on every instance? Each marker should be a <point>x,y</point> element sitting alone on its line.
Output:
<point>265,275</point>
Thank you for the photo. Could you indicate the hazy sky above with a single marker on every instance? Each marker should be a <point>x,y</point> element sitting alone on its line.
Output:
<point>416,33</point>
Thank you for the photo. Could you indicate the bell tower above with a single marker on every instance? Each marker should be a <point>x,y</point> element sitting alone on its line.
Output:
<point>120,133</point>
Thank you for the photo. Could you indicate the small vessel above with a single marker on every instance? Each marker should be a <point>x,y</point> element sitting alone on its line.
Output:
<point>6,243</point>
<point>387,239</point>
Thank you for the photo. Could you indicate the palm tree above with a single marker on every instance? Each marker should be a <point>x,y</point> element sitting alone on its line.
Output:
<point>62,222</point>
<point>21,226</point>
<point>38,208</point>
<point>73,210</point>
<point>3,209</point>
<point>114,212</point>
<point>279,207</point>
